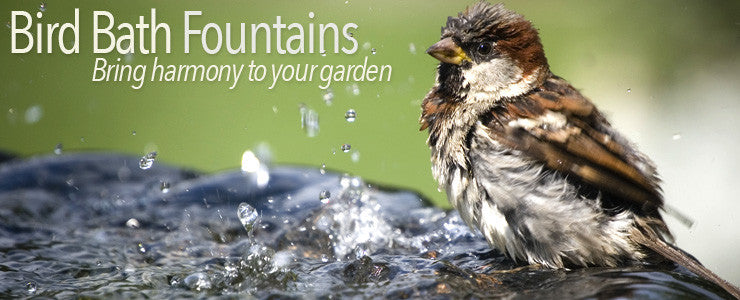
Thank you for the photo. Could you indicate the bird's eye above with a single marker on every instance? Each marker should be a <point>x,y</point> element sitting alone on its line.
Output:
<point>485,48</point>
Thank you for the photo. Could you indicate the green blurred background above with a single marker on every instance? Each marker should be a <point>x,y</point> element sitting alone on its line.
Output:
<point>665,72</point>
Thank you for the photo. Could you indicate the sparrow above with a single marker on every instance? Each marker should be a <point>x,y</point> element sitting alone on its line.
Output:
<point>531,162</point>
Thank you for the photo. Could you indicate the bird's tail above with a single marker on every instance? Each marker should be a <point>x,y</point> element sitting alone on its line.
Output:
<point>647,237</point>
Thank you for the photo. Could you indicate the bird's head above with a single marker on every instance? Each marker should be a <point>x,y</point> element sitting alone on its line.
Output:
<point>488,51</point>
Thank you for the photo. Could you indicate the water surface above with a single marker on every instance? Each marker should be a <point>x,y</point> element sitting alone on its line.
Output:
<point>99,225</point>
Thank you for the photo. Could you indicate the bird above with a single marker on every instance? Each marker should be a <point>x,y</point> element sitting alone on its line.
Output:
<point>532,163</point>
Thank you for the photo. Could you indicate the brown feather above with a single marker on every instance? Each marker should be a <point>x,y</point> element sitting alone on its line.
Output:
<point>583,148</point>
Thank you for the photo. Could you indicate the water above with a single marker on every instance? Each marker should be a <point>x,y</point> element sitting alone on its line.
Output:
<point>164,187</point>
<point>350,115</point>
<point>147,160</point>
<point>133,223</point>
<point>75,240</point>
<point>324,196</point>
<point>58,149</point>
<point>345,147</point>
<point>354,89</point>
<point>248,216</point>
<point>328,96</point>
<point>33,114</point>
<point>309,120</point>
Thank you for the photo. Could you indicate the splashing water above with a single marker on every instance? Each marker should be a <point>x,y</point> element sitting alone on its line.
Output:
<point>34,114</point>
<point>354,89</point>
<point>250,162</point>
<point>58,149</point>
<point>256,165</point>
<point>133,223</point>
<point>197,281</point>
<point>324,196</point>
<point>328,96</point>
<point>147,161</point>
<point>309,121</point>
<point>31,287</point>
<point>248,216</point>
<point>350,115</point>
<point>164,187</point>
<point>367,242</point>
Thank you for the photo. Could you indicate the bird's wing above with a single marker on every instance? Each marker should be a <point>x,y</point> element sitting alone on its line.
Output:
<point>559,127</point>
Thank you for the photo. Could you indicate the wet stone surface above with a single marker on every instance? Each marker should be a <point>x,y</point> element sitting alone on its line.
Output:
<point>98,225</point>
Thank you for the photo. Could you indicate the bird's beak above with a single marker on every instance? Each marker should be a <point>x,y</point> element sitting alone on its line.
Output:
<point>448,52</point>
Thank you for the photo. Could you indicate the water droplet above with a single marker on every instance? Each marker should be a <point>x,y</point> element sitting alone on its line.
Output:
<point>324,196</point>
<point>248,216</point>
<point>309,121</point>
<point>328,97</point>
<point>34,114</point>
<point>676,136</point>
<point>355,182</point>
<point>133,223</point>
<point>373,51</point>
<point>165,187</point>
<point>133,132</point>
<point>250,162</point>
<point>351,34</point>
<point>323,169</point>
<point>58,149</point>
<point>629,91</point>
<point>346,147</point>
<point>323,53</point>
<point>31,287</point>
<point>7,24</point>
<point>42,6</point>
<point>366,45</point>
<point>350,115</point>
<point>82,139</point>
<point>412,48</point>
<point>255,164</point>
<point>147,161</point>
<point>12,116</point>
<point>354,89</point>
<point>197,281</point>
<point>142,249</point>
<point>355,156</point>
